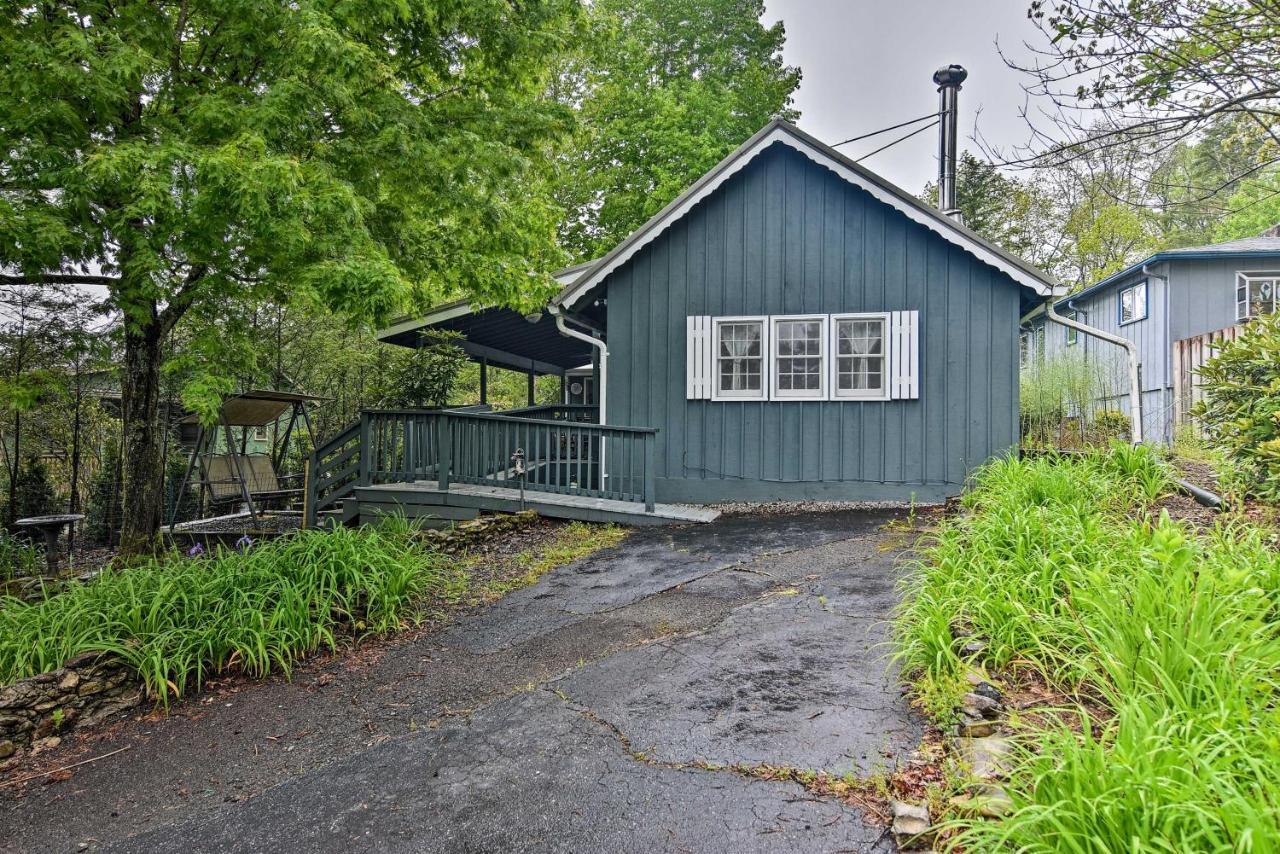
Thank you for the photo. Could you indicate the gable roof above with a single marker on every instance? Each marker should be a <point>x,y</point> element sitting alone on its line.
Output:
<point>1245,247</point>
<point>779,131</point>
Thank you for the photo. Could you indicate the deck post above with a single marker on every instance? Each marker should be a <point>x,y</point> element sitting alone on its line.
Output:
<point>309,496</point>
<point>366,450</point>
<point>445,456</point>
<point>650,444</point>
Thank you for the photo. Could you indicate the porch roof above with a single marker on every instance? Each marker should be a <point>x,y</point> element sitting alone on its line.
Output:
<point>499,336</point>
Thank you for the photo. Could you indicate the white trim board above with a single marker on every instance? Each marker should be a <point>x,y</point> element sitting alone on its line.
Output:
<point>823,155</point>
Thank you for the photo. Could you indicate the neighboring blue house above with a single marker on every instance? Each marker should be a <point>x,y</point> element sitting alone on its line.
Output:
<point>793,325</point>
<point>1174,305</point>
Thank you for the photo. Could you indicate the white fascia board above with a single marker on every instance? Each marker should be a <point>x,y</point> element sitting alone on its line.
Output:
<point>447,312</point>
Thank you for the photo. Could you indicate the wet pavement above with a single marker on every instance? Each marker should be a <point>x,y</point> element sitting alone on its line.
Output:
<point>593,711</point>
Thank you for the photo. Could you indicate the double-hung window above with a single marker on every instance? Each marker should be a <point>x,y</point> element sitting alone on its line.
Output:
<point>1133,303</point>
<point>800,357</point>
<point>1256,294</point>
<point>799,354</point>
<point>860,366</point>
<point>740,352</point>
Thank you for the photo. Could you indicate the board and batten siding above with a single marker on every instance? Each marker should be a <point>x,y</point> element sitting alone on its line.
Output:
<point>787,236</point>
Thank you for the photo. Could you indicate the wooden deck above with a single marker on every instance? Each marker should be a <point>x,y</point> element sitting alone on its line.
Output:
<point>425,499</point>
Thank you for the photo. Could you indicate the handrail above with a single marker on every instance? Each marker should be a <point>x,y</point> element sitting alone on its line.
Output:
<point>564,456</point>
<point>544,421</point>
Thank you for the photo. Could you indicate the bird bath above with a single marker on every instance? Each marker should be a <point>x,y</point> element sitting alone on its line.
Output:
<point>50,526</point>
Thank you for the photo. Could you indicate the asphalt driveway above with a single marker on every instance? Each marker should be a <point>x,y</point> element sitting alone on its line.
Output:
<point>596,710</point>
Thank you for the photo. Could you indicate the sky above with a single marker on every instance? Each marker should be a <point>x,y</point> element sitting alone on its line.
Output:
<point>869,63</point>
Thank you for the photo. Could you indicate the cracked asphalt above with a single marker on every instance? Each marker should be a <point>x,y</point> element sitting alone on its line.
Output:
<point>584,713</point>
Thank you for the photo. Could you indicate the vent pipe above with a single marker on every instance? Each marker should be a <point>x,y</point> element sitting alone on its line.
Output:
<point>948,80</point>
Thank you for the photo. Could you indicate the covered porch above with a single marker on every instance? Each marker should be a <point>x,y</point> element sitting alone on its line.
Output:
<point>562,459</point>
<point>502,338</point>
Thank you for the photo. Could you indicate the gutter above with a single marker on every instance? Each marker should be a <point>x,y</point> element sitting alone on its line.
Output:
<point>1135,383</point>
<point>557,311</point>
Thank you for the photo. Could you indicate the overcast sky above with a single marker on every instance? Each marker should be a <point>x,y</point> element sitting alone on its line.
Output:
<point>869,63</point>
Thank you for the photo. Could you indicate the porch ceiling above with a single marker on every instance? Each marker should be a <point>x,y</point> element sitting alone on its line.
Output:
<point>499,335</point>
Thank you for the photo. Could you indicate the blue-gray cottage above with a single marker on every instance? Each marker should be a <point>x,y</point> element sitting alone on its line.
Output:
<point>1175,306</point>
<point>793,325</point>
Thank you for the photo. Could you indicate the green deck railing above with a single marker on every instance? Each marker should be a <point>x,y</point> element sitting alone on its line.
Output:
<point>563,453</point>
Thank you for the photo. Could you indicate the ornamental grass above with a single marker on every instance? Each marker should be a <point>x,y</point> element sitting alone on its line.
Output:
<point>1064,565</point>
<point>179,620</point>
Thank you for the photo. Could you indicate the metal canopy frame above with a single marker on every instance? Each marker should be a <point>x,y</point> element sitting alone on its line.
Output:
<point>257,408</point>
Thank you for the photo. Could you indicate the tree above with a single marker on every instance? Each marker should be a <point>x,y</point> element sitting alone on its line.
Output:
<point>424,376</point>
<point>195,158</point>
<point>1148,77</point>
<point>664,90</point>
<point>34,329</point>
<point>1014,214</point>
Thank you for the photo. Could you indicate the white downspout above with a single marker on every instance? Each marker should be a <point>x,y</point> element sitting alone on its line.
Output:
<point>602,387</point>
<point>1135,383</point>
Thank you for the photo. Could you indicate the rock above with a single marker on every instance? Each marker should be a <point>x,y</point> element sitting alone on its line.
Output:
<point>972,648</point>
<point>43,744</point>
<point>69,681</point>
<point>980,705</point>
<point>983,688</point>
<point>910,822</point>
<point>976,727</point>
<point>987,757</point>
<point>7,749</point>
<point>92,686</point>
<point>993,801</point>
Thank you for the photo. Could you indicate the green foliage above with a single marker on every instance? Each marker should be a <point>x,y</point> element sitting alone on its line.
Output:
<point>1057,396</point>
<point>424,376</point>
<point>1253,208</point>
<point>180,621</point>
<point>1058,566</point>
<point>665,89</point>
<point>33,495</point>
<point>1240,407</point>
<point>102,513</point>
<point>1016,215</point>
<point>301,150</point>
<point>19,558</point>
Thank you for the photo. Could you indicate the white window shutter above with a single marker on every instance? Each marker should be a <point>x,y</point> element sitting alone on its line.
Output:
<point>904,355</point>
<point>698,368</point>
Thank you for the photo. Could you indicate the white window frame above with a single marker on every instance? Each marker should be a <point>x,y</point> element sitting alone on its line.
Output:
<point>1073,334</point>
<point>824,356</point>
<point>765,363</point>
<point>833,357</point>
<point>1244,308</point>
<point>1146,305</point>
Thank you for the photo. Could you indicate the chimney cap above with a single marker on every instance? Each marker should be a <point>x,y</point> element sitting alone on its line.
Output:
<point>950,75</point>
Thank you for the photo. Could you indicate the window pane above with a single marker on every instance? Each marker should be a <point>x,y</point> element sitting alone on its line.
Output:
<point>860,357</point>
<point>798,355</point>
<point>740,362</point>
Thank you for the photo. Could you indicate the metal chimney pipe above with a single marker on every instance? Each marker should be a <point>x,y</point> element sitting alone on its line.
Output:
<point>948,80</point>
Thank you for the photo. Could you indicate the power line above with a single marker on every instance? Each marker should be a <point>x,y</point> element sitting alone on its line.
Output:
<point>896,141</point>
<point>886,130</point>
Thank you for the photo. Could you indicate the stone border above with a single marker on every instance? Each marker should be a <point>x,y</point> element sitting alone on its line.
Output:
<point>87,690</point>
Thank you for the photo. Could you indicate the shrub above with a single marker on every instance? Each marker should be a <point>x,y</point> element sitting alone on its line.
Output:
<point>1240,409</point>
<point>33,494</point>
<point>178,621</point>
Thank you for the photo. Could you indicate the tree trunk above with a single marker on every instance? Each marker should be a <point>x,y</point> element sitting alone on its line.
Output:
<point>142,466</point>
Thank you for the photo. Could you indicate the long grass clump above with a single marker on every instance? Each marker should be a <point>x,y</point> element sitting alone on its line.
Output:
<point>1061,566</point>
<point>178,621</point>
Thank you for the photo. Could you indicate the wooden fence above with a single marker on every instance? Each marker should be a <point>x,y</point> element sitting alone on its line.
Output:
<point>1189,355</point>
